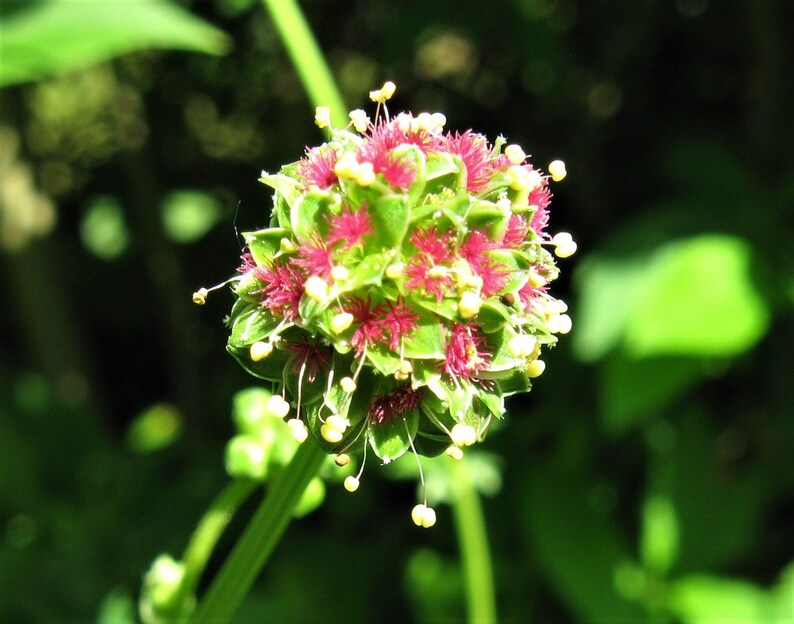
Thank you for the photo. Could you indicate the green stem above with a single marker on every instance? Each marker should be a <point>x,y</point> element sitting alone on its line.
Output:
<point>473,544</point>
<point>210,528</point>
<point>251,552</point>
<point>306,57</point>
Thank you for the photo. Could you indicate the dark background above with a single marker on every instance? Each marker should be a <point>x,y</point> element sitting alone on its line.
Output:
<point>638,483</point>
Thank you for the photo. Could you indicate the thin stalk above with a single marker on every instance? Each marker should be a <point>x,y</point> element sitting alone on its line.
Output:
<point>210,528</point>
<point>264,531</point>
<point>473,544</point>
<point>307,58</point>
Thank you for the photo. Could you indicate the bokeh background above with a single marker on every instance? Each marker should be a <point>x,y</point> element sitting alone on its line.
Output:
<point>648,477</point>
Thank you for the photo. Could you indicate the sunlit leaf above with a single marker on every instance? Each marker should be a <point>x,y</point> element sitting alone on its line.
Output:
<point>704,599</point>
<point>57,36</point>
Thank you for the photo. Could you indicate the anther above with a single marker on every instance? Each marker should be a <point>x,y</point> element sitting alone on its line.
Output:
<point>298,430</point>
<point>322,116</point>
<point>277,406</point>
<point>347,384</point>
<point>351,483</point>
<point>341,322</point>
<point>339,273</point>
<point>200,296</point>
<point>515,154</point>
<point>455,452</point>
<point>360,120</point>
<point>342,459</point>
<point>463,435</point>
<point>316,288</point>
<point>521,345</point>
<point>536,368</point>
<point>469,305</point>
<point>260,350</point>
<point>557,170</point>
<point>395,271</point>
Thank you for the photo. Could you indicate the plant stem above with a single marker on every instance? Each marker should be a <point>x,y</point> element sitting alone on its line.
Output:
<point>210,528</point>
<point>251,552</point>
<point>473,544</point>
<point>307,58</point>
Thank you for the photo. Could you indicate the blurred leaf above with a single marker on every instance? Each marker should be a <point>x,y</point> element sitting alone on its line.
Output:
<point>709,600</point>
<point>707,167</point>
<point>154,428</point>
<point>435,587</point>
<point>117,608</point>
<point>61,35</point>
<point>578,550</point>
<point>189,215</point>
<point>698,299</point>
<point>103,229</point>
<point>659,536</point>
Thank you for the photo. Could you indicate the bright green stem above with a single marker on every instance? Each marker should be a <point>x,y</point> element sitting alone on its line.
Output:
<point>473,544</point>
<point>307,58</point>
<point>260,537</point>
<point>209,529</point>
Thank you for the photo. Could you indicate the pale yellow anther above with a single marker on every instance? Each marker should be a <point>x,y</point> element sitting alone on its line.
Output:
<point>504,204</point>
<point>438,271</point>
<point>418,514</point>
<point>287,246</point>
<point>347,384</point>
<point>536,280</point>
<point>517,178</point>
<point>316,288</point>
<point>341,322</point>
<point>439,120</point>
<point>534,180</point>
<point>557,170</point>
<point>406,368</point>
<point>536,368</point>
<point>298,430</point>
<point>260,350</point>
<point>521,345</point>
<point>277,406</point>
<point>384,93</point>
<point>322,116</point>
<point>340,423</point>
<point>360,120</point>
<point>351,483</point>
<point>564,245</point>
<point>395,271</point>
<point>330,434</point>
<point>347,167</point>
<point>560,324</point>
<point>429,517</point>
<point>404,122</point>
<point>472,281</point>
<point>463,435</point>
<point>366,174</point>
<point>455,452</point>
<point>200,296</point>
<point>342,459</point>
<point>339,273</point>
<point>515,154</point>
<point>469,305</point>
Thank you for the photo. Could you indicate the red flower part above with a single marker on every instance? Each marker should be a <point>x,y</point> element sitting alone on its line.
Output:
<point>308,355</point>
<point>516,234</point>
<point>349,227</point>
<point>540,197</point>
<point>439,247</point>
<point>465,355</point>
<point>528,293</point>
<point>494,275</point>
<point>369,330</point>
<point>398,320</point>
<point>314,257</point>
<point>317,167</point>
<point>387,407</point>
<point>282,290</point>
<point>387,135</point>
<point>248,263</point>
<point>474,151</point>
<point>398,172</point>
<point>419,277</point>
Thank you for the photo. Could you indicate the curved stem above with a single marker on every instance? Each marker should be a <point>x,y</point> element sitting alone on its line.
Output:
<point>473,544</point>
<point>210,528</point>
<point>307,58</point>
<point>251,552</point>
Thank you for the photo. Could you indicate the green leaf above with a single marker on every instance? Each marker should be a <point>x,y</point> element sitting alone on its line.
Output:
<point>659,536</point>
<point>289,188</point>
<point>264,244</point>
<point>489,218</point>
<point>308,214</point>
<point>502,360</point>
<point>393,438</point>
<point>516,383</point>
<point>58,36</point>
<point>390,216</point>
<point>250,324</point>
<point>698,298</point>
<point>368,271</point>
<point>427,341</point>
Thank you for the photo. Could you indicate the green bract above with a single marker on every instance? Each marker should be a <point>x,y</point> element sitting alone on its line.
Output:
<point>401,290</point>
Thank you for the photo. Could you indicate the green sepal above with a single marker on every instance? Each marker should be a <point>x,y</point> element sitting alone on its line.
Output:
<point>369,270</point>
<point>493,400</point>
<point>271,368</point>
<point>427,341</point>
<point>416,157</point>
<point>307,214</point>
<point>446,308</point>
<point>501,359</point>
<point>390,216</point>
<point>248,288</point>
<point>393,438</point>
<point>488,217</point>
<point>516,266</point>
<point>493,316</point>
<point>444,171</point>
<point>386,362</point>
<point>264,244</point>
<point>250,323</point>
<point>515,383</point>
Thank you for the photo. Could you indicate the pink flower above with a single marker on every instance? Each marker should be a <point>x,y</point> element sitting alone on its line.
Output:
<point>308,355</point>
<point>315,258</point>
<point>349,227</point>
<point>465,355</point>
<point>282,290</point>
<point>434,249</point>
<point>397,320</point>
<point>474,151</point>
<point>493,274</point>
<point>528,293</point>
<point>438,247</point>
<point>369,330</point>
<point>387,135</point>
<point>398,172</point>
<point>517,230</point>
<point>540,197</point>
<point>317,167</point>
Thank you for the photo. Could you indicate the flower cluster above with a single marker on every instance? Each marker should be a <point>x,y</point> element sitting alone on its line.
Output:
<point>401,290</point>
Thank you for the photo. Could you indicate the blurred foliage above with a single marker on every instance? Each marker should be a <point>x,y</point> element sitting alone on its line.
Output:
<point>648,475</point>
